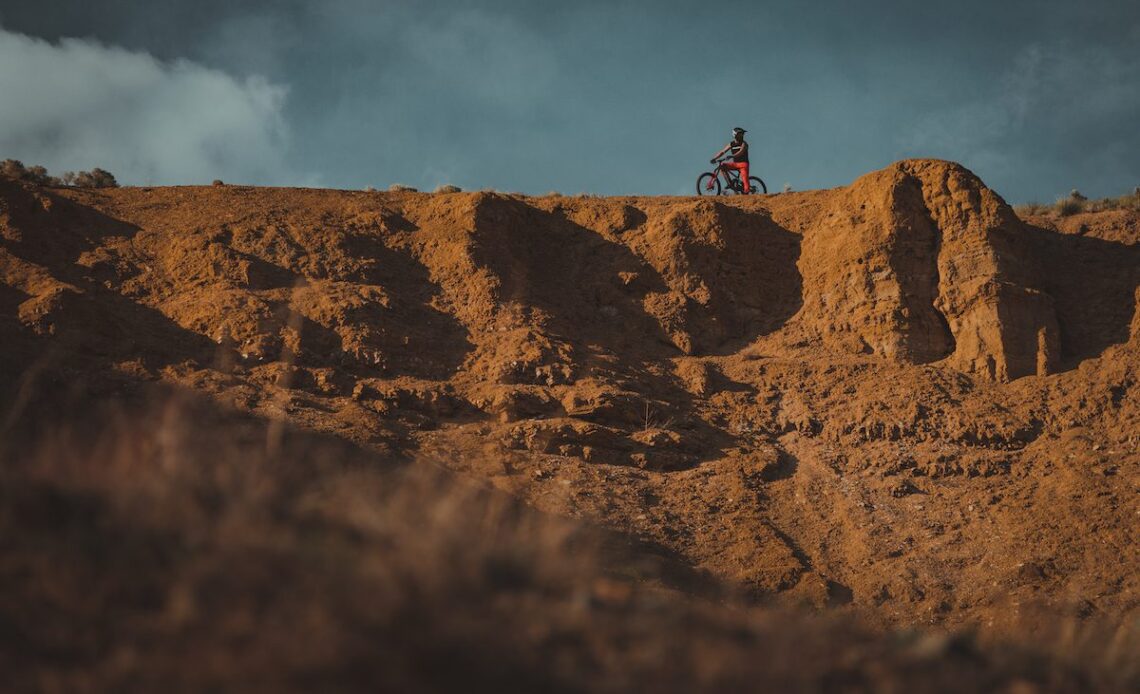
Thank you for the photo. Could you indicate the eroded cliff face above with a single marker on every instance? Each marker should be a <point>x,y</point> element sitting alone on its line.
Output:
<point>871,272</point>
<point>921,263</point>
<point>785,390</point>
<point>990,286</point>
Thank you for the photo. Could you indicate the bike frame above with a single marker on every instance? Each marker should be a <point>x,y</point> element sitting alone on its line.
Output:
<point>731,176</point>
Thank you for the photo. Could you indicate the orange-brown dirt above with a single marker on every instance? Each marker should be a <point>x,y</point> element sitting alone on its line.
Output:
<point>895,399</point>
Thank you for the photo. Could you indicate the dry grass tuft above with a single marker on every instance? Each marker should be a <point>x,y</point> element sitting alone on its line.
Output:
<point>1030,209</point>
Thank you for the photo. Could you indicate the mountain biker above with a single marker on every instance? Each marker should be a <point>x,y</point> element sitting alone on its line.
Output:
<point>739,161</point>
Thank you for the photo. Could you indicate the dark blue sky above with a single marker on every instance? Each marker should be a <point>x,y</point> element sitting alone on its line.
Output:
<point>1036,97</point>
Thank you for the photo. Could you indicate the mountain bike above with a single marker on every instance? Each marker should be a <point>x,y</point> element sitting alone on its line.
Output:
<point>732,183</point>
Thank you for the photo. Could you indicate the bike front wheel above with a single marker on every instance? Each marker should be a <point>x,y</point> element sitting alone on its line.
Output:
<point>757,185</point>
<point>708,184</point>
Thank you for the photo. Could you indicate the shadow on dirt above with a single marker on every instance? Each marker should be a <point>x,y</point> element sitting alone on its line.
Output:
<point>1093,283</point>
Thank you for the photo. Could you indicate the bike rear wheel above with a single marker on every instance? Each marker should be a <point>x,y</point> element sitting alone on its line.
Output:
<point>757,185</point>
<point>708,184</point>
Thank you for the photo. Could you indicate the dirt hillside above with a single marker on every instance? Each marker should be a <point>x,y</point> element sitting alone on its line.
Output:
<point>895,398</point>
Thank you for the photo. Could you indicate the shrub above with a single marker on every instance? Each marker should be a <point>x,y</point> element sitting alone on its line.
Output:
<point>401,188</point>
<point>38,175</point>
<point>1030,209</point>
<point>448,188</point>
<point>1070,206</point>
<point>12,168</point>
<point>95,178</point>
<point>218,182</point>
<point>1104,204</point>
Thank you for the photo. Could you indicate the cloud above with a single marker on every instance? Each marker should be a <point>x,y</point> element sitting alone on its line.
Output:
<point>1061,114</point>
<point>78,104</point>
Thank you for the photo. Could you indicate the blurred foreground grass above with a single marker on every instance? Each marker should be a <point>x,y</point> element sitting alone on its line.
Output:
<point>160,547</point>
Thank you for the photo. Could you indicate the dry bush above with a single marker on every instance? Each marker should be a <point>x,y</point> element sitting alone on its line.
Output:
<point>95,178</point>
<point>448,188</point>
<point>1030,209</point>
<point>12,168</point>
<point>38,175</point>
<point>401,188</point>
<point>1069,206</point>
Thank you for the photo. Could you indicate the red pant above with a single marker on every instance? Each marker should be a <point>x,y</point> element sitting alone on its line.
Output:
<point>742,167</point>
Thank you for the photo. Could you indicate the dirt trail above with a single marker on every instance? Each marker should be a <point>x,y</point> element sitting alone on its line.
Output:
<point>895,397</point>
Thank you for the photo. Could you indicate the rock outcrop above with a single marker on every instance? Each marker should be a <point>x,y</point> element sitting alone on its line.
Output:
<point>921,262</point>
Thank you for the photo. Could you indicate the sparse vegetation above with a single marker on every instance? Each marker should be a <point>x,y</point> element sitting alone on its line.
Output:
<point>1130,201</point>
<point>401,188</point>
<point>38,175</point>
<point>1030,209</point>
<point>1076,203</point>
<point>15,169</point>
<point>448,188</point>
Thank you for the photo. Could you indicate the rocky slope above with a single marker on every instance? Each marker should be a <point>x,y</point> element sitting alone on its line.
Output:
<point>894,397</point>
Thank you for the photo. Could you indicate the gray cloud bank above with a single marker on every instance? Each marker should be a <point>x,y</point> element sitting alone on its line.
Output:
<point>1036,97</point>
<point>77,104</point>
